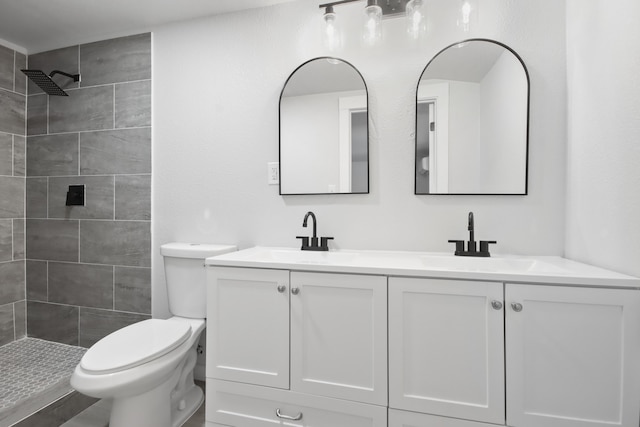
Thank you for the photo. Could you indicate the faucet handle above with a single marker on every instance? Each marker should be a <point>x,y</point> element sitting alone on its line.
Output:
<point>459,246</point>
<point>324,243</point>
<point>484,246</point>
<point>305,241</point>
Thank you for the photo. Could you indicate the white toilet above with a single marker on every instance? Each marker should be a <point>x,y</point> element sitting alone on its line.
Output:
<point>146,369</point>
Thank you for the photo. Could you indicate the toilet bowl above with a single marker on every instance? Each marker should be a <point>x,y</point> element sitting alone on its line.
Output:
<point>146,368</point>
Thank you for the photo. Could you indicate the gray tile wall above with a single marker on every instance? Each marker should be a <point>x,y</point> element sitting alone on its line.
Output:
<point>13,86</point>
<point>88,267</point>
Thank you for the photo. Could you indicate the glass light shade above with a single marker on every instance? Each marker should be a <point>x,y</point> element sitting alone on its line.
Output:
<point>468,14</point>
<point>417,18</point>
<point>372,24</point>
<point>331,31</point>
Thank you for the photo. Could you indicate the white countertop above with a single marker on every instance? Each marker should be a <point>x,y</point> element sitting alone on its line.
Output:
<point>501,268</point>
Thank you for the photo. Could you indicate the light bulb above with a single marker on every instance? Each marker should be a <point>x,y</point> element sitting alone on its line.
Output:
<point>417,19</point>
<point>372,23</point>
<point>331,31</point>
<point>467,10</point>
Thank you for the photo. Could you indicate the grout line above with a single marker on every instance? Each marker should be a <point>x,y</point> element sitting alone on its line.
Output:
<point>86,131</point>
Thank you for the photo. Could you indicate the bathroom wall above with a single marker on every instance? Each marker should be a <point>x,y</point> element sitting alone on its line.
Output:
<point>12,195</point>
<point>603,196</point>
<point>88,267</point>
<point>216,88</point>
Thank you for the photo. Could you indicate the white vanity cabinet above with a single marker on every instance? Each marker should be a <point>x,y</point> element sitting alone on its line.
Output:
<point>570,355</point>
<point>446,348</point>
<point>573,356</point>
<point>318,337</point>
<point>409,339</point>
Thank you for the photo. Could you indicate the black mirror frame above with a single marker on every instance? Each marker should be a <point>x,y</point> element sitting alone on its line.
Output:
<point>526,72</point>
<point>280,129</point>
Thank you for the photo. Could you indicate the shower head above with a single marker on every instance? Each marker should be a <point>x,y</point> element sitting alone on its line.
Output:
<point>46,83</point>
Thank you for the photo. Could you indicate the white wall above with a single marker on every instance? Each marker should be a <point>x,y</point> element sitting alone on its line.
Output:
<point>603,189</point>
<point>216,87</point>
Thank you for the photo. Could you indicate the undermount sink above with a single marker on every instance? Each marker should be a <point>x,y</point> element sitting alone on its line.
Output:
<point>296,256</point>
<point>497,264</point>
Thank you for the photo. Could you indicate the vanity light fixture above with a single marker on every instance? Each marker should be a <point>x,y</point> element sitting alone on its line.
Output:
<point>373,13</point>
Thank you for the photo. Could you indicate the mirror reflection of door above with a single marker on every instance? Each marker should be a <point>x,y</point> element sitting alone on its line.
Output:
<point>324,130</point>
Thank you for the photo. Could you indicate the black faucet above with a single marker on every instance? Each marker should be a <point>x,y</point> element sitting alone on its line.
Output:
<point>313,246</point>
<point>471,244</point>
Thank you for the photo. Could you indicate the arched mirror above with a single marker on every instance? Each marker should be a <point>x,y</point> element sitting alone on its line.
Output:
<point>324,138</point>
<point>472,120</point>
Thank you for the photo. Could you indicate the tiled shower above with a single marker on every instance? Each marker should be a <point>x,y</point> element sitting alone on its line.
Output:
<point>74,274</point>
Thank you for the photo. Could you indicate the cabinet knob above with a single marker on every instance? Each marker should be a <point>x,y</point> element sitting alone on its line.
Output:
<point>295,291</point>
<point>497,305</point>
<point>288,417</point>
<point>282,288</point>
<point>516,306</point>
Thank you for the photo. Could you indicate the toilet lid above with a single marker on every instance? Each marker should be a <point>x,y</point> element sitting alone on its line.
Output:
<point>134,345</point>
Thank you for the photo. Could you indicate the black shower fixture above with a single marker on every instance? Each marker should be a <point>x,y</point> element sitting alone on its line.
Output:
<point>46,83</point>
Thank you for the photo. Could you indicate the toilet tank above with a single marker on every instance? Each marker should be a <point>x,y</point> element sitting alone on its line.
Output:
<point>186,276</point>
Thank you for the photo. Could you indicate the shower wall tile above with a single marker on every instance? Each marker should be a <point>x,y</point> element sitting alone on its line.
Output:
<point>88,261</point>
<point>6,68</point>
<point>133,197</point>
<point>99,197</point>
<point>20,319</point>
<point>37,119</point>
<point>52,155</point>
<point>6,324</point>
<point>132,289</point>
<point>19,155</point>
<point>133,104</point>
<point>12,200</point>
<point>6,240</point>
<point>52,240</point>
<point>124,151</point>
<point>12,112</point>
<point>53,322</point>
<point>13,282</point>
<point>6,154</point>
<point>36,277</point>
<point>37,197</point>
<point>65,59</point>
<point>18,239</point>
<point>81,284</point>
<point>96,324</point>
<point>123,59</point>
<point>83,110</point>
<point>20,80</point>
<point>124,243</point>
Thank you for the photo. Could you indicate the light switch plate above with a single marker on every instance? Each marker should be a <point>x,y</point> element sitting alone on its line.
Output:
<point>273,173</point>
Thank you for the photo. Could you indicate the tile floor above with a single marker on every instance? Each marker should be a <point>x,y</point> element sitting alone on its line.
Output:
<point>34,373</point>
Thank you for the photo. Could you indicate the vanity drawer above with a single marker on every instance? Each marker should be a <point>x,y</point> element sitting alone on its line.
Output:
<point>413,419</point>
<point>242,405</point>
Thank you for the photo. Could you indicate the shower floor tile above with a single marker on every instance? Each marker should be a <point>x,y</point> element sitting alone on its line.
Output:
<point>34,373</point>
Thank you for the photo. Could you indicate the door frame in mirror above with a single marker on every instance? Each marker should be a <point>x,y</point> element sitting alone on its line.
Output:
<point>528,109</point>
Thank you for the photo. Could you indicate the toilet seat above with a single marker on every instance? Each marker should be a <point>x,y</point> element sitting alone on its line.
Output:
<point>135,345</point>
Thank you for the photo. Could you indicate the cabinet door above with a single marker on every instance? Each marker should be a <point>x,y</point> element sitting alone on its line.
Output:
<point>446,348</point>
<point>244,405</point>
<point>573,356</point>
<point>339,336</point>
<point>248,326</point>
<point>415,419</point>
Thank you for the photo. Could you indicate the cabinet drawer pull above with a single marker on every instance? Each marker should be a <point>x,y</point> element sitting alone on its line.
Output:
<point>517,307</point>
<point>497,305</point>
<point>287,417</point>
<point>295,291</point>
<point>282,288</point>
